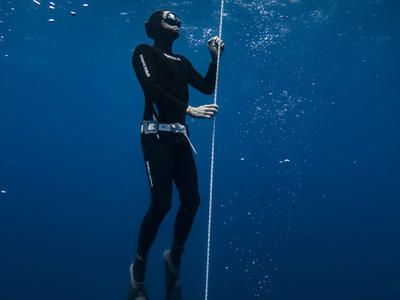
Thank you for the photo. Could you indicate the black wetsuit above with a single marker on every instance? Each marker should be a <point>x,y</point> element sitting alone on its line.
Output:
<point>164,78</point>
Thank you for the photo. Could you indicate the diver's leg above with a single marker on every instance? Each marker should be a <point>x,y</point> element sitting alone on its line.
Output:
<point>159,168</point>
<point>185,176</point>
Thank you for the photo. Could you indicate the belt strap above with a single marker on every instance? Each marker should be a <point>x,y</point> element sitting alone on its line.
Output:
<point>148,127</point>
<point>154,126</point>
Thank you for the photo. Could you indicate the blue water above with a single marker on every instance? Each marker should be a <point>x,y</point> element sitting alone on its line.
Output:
<point>306,199</point>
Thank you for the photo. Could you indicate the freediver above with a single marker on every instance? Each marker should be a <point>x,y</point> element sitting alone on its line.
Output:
<point>164,77</point>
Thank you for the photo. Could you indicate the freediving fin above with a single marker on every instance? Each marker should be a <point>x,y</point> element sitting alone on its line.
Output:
<point>137,291</point>
<point>172,284</point>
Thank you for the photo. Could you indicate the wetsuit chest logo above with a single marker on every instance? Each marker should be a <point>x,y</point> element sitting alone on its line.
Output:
<point>171,57</point>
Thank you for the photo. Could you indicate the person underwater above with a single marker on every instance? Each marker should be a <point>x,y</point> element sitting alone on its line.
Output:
<point>164,77</point>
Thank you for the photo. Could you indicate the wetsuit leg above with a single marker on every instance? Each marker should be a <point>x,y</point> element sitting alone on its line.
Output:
<point>158,158</point>
<point>185,176</point>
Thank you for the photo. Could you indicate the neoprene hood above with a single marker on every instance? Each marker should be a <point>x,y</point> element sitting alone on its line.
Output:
<point>154,29</point>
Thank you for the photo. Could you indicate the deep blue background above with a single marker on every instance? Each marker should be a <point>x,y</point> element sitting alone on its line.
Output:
<point>307,156</point>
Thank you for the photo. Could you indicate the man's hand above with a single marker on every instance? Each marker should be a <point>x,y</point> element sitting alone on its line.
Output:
<point>213,45</point>
<point>204,111</point>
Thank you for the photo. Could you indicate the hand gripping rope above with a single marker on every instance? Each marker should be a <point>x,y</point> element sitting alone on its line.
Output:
<point>212,159</point>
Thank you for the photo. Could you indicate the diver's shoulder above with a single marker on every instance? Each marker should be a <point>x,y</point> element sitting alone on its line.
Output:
<point>143,48</point>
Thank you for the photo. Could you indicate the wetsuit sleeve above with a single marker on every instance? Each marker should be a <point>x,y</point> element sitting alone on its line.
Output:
<point>146,72</point>
<point>205,84</point>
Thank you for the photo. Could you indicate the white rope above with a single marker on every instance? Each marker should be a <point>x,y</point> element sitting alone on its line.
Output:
<point>212,159</point>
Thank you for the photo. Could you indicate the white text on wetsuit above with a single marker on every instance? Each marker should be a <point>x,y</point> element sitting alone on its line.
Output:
<point>146,70</point>
<point>172,57</point>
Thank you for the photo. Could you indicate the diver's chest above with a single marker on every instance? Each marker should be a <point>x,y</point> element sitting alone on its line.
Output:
<point>171,66</point>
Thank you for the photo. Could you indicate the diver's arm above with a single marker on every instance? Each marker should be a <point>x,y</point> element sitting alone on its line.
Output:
<point>146,72</point>
<point>205,84</point>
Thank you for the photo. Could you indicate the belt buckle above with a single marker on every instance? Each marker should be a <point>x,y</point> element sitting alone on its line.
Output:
<point>150,127</point>
<point>174,127</point>
<point>177,128</point>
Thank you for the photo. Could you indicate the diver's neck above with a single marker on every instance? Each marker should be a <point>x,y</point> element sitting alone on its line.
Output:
<point>164,45</point>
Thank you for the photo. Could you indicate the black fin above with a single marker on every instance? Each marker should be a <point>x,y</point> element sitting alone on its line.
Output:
<point>172,284</point>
